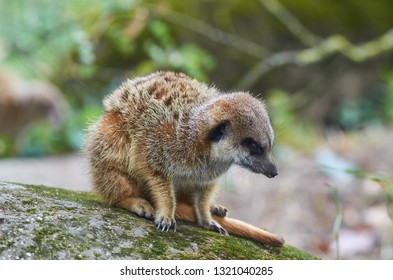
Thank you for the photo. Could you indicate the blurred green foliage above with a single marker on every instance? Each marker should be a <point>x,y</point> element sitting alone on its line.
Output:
<point>43,139</point>
<point>164,53</point>
<point>7,146</point>
<point>373,108</point>
<point>290,129</point>
<point>385,181</point>
<point>88,47</point>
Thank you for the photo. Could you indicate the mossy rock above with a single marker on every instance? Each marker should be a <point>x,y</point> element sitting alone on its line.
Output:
<point>38,222</point>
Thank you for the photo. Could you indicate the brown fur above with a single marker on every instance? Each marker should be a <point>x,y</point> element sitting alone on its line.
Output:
<point>163,141</point>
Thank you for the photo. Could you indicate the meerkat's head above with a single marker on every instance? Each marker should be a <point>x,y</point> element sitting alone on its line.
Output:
<point>240,132</point>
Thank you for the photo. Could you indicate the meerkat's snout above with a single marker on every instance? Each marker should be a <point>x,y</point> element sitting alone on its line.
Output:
<point>271,171</point>
<point>263,165</point>
<point>256,157</point>
<point>269,167</point>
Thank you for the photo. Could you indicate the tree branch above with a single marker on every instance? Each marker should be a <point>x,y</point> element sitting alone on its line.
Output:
<point>292,23</point>
<point>331,45</point>
<point>211,32</point>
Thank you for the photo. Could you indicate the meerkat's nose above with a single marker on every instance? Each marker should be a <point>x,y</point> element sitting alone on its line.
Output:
<point>272,172</point>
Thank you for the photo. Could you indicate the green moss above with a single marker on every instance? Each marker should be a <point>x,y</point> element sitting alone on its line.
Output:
<point>81,197</point>
<point>61,224</point>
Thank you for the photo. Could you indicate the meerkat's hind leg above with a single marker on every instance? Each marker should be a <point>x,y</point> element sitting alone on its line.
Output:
<point>120,190</point>
<point>218,210</point>
<point>221,212</point>
<point>203,208</point>
<point>215,226</point>
<point>139,206</point>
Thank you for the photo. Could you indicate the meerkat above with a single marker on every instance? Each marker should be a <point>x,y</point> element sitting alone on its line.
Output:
<point>163,141</point>
<point>23,102</point>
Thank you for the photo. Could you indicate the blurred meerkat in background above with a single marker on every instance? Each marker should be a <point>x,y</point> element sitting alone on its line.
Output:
<point>23,103</point>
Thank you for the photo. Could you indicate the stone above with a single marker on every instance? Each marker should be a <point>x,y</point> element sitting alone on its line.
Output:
<point>38,222</point>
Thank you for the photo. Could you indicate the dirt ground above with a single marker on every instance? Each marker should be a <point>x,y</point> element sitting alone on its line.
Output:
<point>298,204</point>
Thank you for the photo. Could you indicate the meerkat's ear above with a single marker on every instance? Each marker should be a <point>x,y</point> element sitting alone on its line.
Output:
<point>219,131</point>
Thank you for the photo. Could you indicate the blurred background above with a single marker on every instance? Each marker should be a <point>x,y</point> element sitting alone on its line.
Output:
<point>324,68</point>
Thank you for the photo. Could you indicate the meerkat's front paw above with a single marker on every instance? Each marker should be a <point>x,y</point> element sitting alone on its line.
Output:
<point>165,223</point>
<point>218,210</point>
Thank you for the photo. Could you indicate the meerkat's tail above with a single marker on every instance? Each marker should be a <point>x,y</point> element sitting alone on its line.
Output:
<point>235,227</point>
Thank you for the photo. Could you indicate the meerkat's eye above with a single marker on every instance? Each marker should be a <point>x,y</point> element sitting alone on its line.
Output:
<point>219,131</point>
<point>252,146</point>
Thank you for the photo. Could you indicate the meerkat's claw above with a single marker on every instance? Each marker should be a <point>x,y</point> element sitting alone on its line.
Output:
<point>166,225</point>
<point>173,226</point>
<point>214,226</point>
<point>218,210</point>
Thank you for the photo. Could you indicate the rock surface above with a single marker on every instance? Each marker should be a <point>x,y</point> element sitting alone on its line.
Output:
<point>38,222</point>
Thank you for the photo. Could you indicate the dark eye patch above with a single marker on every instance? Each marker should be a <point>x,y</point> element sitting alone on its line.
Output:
<point>219,131</point>
<point>252,146</point>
